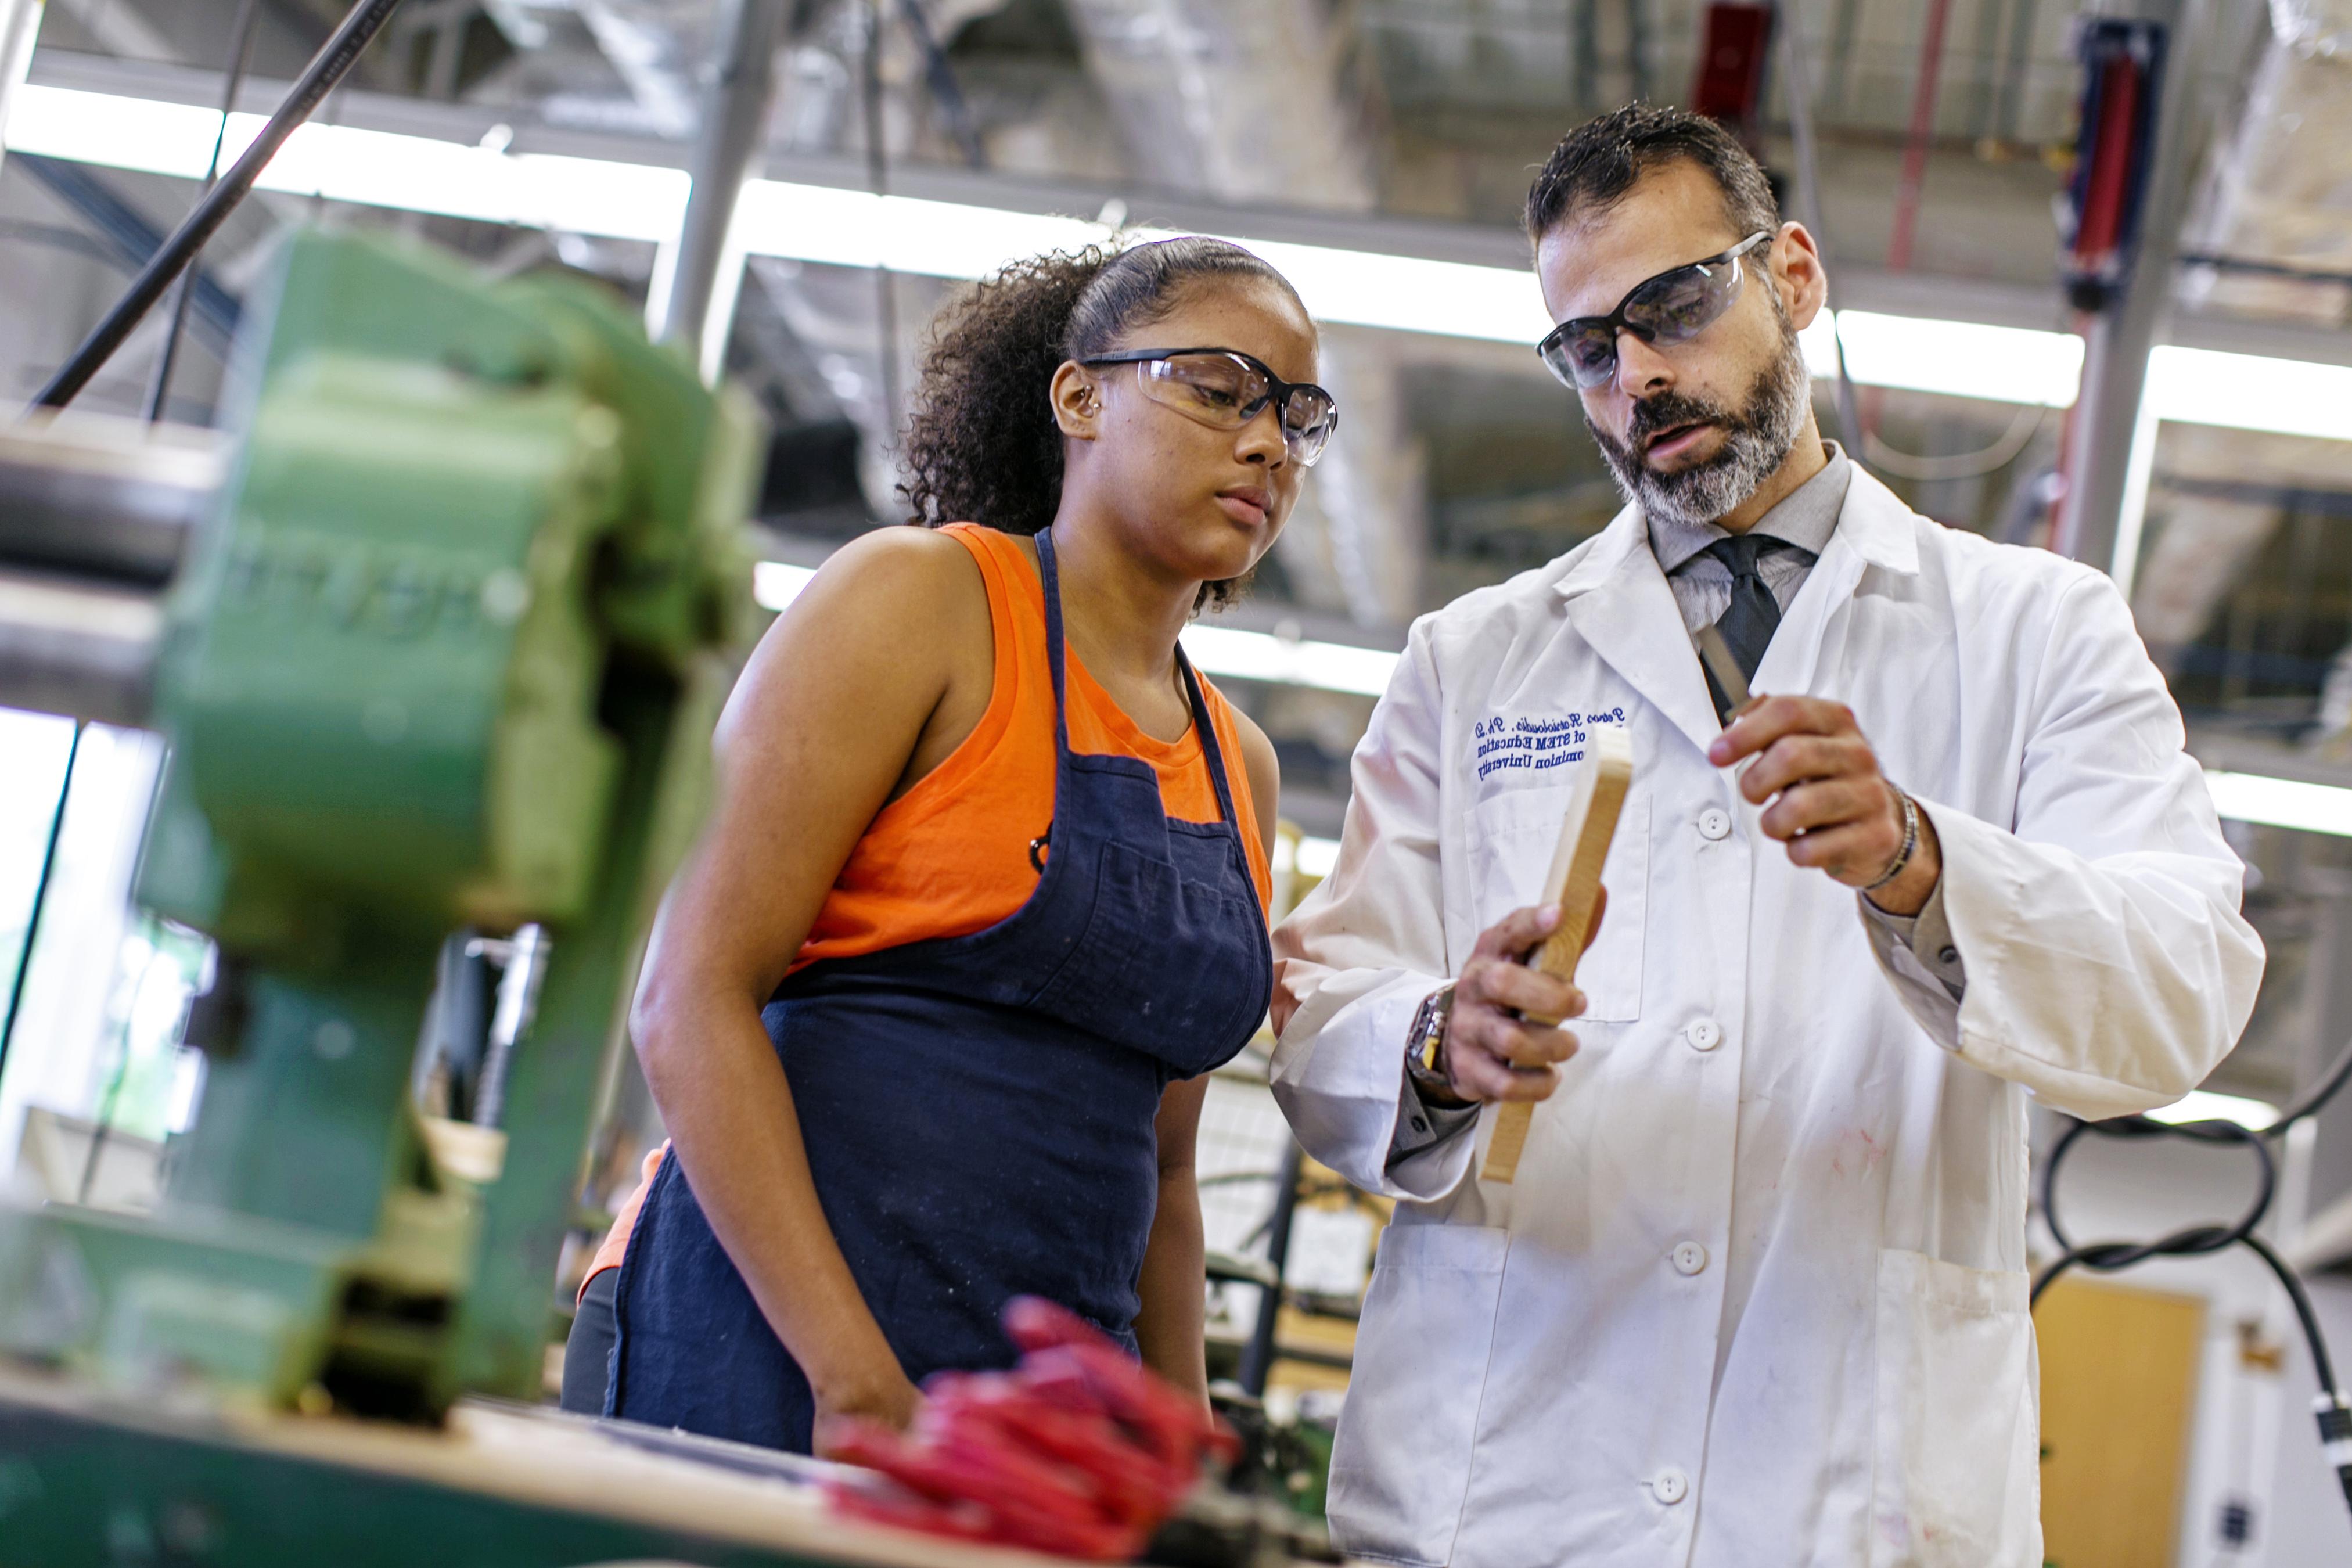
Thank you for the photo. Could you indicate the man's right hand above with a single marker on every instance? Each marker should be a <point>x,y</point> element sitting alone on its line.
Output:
<point>1491,1052</point>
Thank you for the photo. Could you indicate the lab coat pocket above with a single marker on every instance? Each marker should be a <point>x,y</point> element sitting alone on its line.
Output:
<point>1957,1471</point>
<point>1512,838</point>
<point>1401,1465</point>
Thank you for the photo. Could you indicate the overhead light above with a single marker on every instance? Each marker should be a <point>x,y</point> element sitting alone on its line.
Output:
<point>371,168</point>
<point>1957,358</point>
<point>960,240</point>
<point>2287,397</point>
<point>1218,650</point>
<point>2199,1105</point>
<point>1286,661</point>
<point>2281,803</point>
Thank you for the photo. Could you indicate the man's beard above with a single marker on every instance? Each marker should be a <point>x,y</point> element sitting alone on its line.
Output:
<point>1758,438</point>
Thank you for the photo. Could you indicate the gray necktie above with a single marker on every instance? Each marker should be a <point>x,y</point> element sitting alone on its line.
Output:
<point>1747,624</point>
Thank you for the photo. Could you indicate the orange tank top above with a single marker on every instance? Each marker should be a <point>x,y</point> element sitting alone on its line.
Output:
<point>950,856</point>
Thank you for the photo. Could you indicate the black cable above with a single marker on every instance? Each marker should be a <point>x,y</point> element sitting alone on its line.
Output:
<point>2332,1409</point>
<point>320,76</point>
<point>240,39</point>
<point>40,895</point>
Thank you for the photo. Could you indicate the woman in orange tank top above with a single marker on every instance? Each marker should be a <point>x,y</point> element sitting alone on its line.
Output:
<point>928,1012</point>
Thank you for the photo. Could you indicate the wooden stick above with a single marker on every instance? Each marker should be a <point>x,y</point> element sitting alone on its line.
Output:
<point>1596,794</point>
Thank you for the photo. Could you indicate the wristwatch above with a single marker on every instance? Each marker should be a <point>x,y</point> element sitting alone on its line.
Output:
<point>1425,1050</point>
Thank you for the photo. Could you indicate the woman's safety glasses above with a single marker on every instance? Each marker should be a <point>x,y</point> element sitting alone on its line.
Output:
<point>1225,389</point>
<point>1672,307</point>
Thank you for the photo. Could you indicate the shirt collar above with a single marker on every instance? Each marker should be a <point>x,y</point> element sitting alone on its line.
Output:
<point>1805,518</point>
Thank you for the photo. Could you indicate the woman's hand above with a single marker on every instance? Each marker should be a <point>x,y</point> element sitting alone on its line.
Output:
<point>879,1393</point>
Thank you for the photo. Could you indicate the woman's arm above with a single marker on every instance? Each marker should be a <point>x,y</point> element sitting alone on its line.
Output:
<point>838,710</point>
<point>1174,1287</point>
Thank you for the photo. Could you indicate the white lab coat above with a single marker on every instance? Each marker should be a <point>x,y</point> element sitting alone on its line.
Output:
<point>1758,1295</point>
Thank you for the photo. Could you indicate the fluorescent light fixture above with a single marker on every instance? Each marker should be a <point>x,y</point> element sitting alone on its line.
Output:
<point>372,168</point>
<point>1219,650</point>
<point>2290,397</point>
<point>1958,359</point>
<point>2281,803</point>
<point>2201,1106</point>
<point>954,239</point>
<point>1288,661</point>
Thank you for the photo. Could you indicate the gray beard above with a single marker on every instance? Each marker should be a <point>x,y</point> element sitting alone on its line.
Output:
<point>1758,440</point>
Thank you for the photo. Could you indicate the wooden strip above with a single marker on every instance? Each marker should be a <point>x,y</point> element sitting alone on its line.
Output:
<point>1595,797</point>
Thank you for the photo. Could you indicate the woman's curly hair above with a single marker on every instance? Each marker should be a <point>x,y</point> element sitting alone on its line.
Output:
<point>983,445</point>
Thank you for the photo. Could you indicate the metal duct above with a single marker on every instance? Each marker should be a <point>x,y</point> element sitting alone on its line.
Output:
<point>1237,99</point>
<point>2281,188</point>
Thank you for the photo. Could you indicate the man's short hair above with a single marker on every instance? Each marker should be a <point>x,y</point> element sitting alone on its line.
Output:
<point>1599,161</point>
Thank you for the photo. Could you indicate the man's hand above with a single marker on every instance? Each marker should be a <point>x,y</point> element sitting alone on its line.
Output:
<point>1490,1051</point>
<point>1836,812</point>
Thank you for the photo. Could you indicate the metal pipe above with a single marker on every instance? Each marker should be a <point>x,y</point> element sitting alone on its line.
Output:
<point>320,76</point>
<point>1922,132</point>
<point>80,650</point>
<point>734,113</point>
<point>101,502</point>
<point>1258,1356</point>
<point>2111,439</point>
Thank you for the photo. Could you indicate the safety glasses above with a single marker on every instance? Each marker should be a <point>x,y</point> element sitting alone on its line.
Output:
<point>1672,307</point>
<point>1225,389</point>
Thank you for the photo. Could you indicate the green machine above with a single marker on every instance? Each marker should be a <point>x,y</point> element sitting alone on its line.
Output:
<point>441,647</point>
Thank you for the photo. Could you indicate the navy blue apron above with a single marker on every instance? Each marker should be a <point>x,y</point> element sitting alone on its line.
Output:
<point>978,1109</point>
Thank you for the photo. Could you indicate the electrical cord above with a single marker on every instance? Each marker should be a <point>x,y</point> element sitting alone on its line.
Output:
<point>320,76</point>
<point>2331,1409</point>
<point>159,389</point>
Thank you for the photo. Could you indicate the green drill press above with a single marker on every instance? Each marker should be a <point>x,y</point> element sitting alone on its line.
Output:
<point>441,646</point>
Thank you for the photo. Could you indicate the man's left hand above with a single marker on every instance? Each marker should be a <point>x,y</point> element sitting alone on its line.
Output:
<point>1836,811</point>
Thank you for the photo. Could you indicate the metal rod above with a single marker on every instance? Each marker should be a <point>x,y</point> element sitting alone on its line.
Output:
<point>20,22</point>
<point>240,38</point>
<point>877,178</point>
<point>40,899</point>
<point>734,114</point>
<point>319,78</point>
<point>1258,1356</point>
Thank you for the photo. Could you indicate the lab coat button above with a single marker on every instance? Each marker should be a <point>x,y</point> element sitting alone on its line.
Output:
<point>1704,1035</point>
<point>1689,1258</point>
<point>1670,1486</point>
<point>1714,823</point>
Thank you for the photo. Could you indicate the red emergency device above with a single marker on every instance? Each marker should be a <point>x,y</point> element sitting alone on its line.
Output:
<point>1731,60</point>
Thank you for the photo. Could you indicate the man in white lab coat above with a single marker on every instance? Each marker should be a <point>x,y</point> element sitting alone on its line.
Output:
<point>1757,1296</point>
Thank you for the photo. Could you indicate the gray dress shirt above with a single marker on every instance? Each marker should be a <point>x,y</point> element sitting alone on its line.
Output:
<point>1805,519</point>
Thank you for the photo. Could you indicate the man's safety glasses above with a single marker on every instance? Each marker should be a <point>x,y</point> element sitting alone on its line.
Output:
<point>1672,307</point>
<point>1225,389</point>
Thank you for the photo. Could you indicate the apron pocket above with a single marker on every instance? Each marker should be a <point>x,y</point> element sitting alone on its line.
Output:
<point>1512,839</point>
<point>1401,1468</point>
<point>1182,1000</point>
<point>1956,1481</point>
